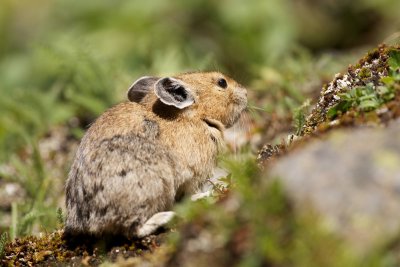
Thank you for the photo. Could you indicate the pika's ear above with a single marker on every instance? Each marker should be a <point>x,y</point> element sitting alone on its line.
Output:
<point>140,88</point>
<point>173,92</point>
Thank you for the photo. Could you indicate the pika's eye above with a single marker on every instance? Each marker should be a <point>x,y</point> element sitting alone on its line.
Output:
<point>222,83</point>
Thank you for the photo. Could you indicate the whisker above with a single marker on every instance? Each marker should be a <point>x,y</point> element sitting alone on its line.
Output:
<point>253,113</point>
<point>257,108</point>
<point>235,143</point>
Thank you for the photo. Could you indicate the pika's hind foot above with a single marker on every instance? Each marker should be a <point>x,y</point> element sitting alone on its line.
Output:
<point>155,222</point>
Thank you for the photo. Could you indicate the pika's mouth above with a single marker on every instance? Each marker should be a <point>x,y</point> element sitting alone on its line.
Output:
<point>216,124</point>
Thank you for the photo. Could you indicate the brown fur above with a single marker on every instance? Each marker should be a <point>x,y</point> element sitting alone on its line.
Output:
<point>137,158</point>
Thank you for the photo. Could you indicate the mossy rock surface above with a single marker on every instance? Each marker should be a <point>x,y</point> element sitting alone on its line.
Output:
<point>368,93</point>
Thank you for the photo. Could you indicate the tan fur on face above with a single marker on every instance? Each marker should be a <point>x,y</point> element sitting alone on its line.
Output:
<point>225,104</point>
<point>138,158</point>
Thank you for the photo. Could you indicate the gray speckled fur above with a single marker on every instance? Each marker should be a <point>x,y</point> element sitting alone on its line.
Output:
<point>130,162</point>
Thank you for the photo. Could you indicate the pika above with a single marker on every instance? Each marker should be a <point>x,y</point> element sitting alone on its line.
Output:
<point>141,156</point>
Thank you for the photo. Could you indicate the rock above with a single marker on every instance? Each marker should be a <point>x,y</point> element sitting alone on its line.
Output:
<point>352,178</point>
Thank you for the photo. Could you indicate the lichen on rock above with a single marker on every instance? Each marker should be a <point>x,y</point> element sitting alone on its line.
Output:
<point>368,86</point>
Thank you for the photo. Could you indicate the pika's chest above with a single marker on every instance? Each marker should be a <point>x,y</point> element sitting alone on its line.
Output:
<point>194,147</point>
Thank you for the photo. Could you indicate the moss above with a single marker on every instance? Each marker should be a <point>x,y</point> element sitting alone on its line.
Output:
<point>370,86</point>
<point>271,152</point>
<point>55,248</point>
<point>365,73</point>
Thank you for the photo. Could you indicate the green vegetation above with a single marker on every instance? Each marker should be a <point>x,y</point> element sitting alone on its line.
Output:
<point>3,241</point>
<point>370,97</point>
<point>62,63</point>
<point>363,98</point>
<point>299,117</point>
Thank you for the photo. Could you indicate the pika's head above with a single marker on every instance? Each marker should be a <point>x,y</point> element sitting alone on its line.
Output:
<point>209,96</point>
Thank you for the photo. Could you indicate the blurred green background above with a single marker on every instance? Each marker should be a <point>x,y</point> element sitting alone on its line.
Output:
<point>63,62</point>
